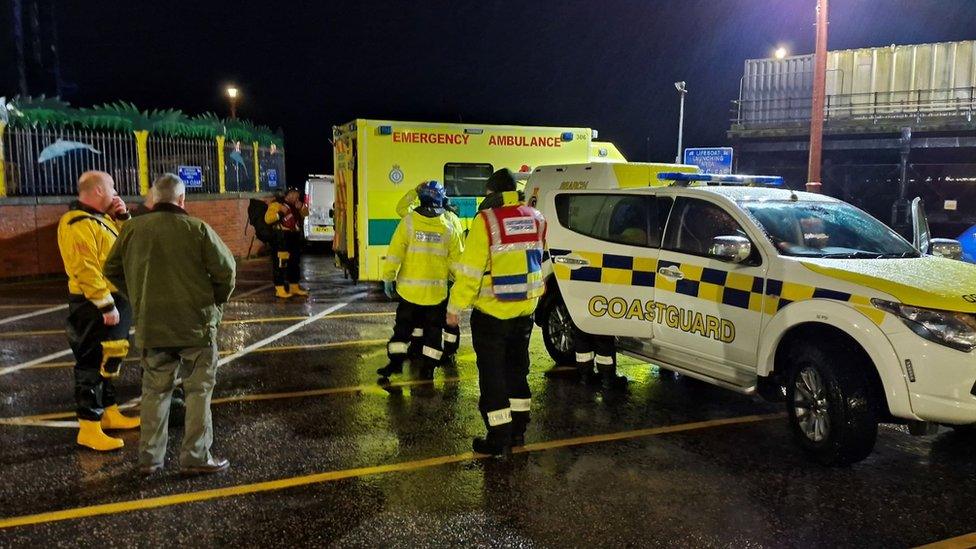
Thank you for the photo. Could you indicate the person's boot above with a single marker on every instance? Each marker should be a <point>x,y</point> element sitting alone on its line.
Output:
<point>611,381</point>
<point>492,446</point>
<point>295,289</point>
<point>112,418</point>
<point>585,372</point>
<point>390,369</point>
<point>90,435</point>
<point>212,466</point>
<point>281,292</point>
<point>498,442</point>
<point>427,367</point>
<point>520,420</point>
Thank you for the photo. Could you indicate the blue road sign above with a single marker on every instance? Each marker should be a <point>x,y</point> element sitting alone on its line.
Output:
<point>192,176</point>
<point>710,159</point>
<point>272,178</point>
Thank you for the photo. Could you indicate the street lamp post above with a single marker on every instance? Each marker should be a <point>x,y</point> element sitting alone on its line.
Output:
<point>817,104</point>
<point>682,88</point>
<point>232,94</point>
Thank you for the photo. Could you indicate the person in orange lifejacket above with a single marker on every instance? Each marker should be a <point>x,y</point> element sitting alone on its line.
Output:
<point>500,276</point>
<point>286,215</point>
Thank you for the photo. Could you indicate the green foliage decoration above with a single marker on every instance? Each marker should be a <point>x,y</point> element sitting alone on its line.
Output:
<point>51,112</point>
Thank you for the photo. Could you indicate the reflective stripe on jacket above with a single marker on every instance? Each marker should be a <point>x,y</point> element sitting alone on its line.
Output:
<point>419,258</point>
<point>486,263</point>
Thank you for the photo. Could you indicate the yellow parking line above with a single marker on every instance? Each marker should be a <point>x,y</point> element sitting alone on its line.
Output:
<point>30,333</point>
<point>256,397</point>
<point>283,348</point>
<point>330,476</point>
<point>962,542</point>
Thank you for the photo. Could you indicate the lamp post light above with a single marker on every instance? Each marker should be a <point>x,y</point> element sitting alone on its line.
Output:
<point>232,94</point>
<point>781,53</point>
<point>682,88</point>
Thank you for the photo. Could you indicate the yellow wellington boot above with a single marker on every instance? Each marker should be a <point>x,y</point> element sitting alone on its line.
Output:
<point>281,292</point>
<point>295,289</point>
<point>90,435</point>
<point>113,419</point>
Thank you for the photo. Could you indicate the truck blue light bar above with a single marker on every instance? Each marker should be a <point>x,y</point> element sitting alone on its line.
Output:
<point>685,179</point>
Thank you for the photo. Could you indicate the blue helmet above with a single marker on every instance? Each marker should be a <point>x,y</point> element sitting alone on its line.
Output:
<point>432,194</point>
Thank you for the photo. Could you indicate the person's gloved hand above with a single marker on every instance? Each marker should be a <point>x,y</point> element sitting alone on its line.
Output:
<point>389,288</point>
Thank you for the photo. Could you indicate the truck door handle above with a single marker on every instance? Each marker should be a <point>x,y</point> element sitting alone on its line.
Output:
<point>571,261</point>
<point>671,272</point>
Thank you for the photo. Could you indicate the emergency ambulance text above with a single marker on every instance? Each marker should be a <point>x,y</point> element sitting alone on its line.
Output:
<point>431,138</point>
<point>523,141</point>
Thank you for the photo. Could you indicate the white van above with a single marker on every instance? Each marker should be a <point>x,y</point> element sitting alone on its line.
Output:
<point>320,199</point>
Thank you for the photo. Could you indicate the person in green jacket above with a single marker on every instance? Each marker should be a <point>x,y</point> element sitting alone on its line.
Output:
<point>178,274</point>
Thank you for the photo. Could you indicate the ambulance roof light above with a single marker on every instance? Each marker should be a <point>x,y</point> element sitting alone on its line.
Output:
<point>686,179</point>
<point>567,136</point>
<point>386,130</point>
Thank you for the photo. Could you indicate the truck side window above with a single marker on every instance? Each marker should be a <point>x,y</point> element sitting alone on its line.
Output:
<point>623,219</point>
<point>694,223</point>
<point>464,179</point>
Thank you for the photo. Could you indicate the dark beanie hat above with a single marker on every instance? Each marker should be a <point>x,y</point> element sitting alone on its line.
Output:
<point>501,181</point>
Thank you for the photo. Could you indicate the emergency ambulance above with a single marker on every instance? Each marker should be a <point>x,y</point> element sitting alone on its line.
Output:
<point>377,161</point>
<point>761,290</point>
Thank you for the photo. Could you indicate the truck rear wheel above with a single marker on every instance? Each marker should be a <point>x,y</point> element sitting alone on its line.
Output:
<point>831,409</point>
<point>557,332</point>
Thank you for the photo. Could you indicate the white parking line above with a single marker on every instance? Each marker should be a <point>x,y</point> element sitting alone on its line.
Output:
<point>10,319</point>
<point>254,291</point>
<point>11,369</point>
<point>289,330</point>
<point>222,362</point>
<point>42,360</point>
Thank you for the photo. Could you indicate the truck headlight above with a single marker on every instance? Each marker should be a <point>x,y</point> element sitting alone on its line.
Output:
<point>949,328</point>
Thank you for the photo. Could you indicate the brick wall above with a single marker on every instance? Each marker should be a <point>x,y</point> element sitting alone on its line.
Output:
<point>29,242</point>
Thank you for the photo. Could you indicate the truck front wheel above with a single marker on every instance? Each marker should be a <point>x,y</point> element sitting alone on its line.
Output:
<point>557,332</point>
<point>829,401</point>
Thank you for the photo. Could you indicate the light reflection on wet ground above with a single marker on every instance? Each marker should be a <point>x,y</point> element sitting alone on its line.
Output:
<point>315,406</point>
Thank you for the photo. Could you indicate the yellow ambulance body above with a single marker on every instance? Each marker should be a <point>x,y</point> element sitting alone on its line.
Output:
<point>377,161</point>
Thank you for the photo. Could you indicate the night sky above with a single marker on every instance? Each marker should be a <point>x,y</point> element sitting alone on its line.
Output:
<point>609,65</point>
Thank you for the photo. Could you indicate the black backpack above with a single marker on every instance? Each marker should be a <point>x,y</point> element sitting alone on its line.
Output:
<point>255,214</point>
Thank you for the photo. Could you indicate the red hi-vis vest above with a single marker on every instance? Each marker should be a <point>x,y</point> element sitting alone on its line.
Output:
<point>516,240</point>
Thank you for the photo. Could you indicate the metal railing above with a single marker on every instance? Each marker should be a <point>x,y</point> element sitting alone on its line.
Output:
<point>168,154</point>
<point>48,162</point>
<point>874,106</point>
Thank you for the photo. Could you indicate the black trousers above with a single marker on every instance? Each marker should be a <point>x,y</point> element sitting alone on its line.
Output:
<point>410,316</point>
<point>502,348</point>
<point>451,335</point>
<point>595,349</point>
<point>95,362</point>
<point>286,257</point>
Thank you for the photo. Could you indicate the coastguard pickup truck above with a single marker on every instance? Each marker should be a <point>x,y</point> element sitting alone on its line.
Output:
<point>761,290</point>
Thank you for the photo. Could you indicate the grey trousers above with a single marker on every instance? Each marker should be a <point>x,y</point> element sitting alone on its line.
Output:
<point>161,367</point>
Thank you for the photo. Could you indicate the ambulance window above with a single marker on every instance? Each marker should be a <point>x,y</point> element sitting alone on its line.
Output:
<point>693,225</point>
<point>461,179</point>
<point>623,219</point>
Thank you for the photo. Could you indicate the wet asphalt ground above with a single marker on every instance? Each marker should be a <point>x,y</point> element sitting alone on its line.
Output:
<point>324,455</point>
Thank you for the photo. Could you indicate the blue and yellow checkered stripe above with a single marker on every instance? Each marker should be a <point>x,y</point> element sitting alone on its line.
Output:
<point>714,285</point>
